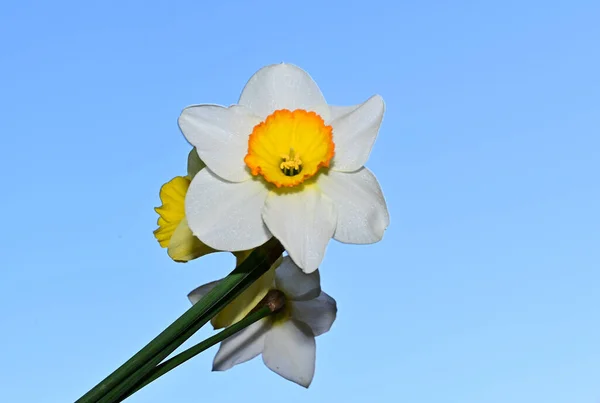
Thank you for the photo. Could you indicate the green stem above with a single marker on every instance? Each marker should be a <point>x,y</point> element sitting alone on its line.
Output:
<point>138,366</point>
<point>119,390</point>
<point>126,385</point>
<point>182,357</point>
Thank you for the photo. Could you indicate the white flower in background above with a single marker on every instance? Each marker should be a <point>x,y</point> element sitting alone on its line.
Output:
<point>286,340</point>
<point>283,163</point>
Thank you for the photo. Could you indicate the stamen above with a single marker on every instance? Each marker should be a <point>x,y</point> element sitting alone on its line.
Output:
<point>291,164</point>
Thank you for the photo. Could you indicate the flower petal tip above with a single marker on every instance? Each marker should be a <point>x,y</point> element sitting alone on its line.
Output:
<point>216,369</point>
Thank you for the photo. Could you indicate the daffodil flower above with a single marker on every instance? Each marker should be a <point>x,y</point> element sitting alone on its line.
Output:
<point>173,231</point>
<point>283,163</point>
<point>287,339</point>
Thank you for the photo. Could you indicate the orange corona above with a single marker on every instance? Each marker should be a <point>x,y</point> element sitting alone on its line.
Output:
<point>289,147</point>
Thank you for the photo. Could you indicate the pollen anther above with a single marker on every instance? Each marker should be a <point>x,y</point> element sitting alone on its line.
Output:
<point>291,164</point>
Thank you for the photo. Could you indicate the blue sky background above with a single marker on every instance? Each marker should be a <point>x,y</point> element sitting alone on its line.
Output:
<point>486,286</point>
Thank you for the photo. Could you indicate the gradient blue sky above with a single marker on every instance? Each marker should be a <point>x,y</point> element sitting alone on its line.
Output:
<point>486,286</point>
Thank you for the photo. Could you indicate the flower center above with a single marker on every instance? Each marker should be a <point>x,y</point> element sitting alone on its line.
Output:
<point>289,147</point>
<point>291,164</point>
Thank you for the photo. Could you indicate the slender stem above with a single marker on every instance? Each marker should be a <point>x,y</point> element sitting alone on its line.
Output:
<point>138,366</point>
<point>273,302</point>
<point>113,395</point>
<point>191,352</point>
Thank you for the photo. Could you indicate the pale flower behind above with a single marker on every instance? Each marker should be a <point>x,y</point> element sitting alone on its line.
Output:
<point>283,163</point>
<point>287,339</point>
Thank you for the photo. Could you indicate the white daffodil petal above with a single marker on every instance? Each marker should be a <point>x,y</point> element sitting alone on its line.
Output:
<point>280,86</point>
<point>354,132</point>
<point>290,351</point>
<point>199,293</point>
<point>336,112</point>
<point>225,215</point>
<point>322,110</point>
<point>303,221</point>
<point>220,136</point>
<point>297,285</point>
<point>318,313</point>
<point>242,346</point>
<point>362,214</point>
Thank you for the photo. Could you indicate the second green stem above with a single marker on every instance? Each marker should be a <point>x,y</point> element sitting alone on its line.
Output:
<point>182,357</point>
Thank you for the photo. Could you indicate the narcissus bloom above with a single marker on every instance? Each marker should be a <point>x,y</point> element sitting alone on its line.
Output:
<point>283,163</point>
<point>173,231</point>
<point>286,340</point>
